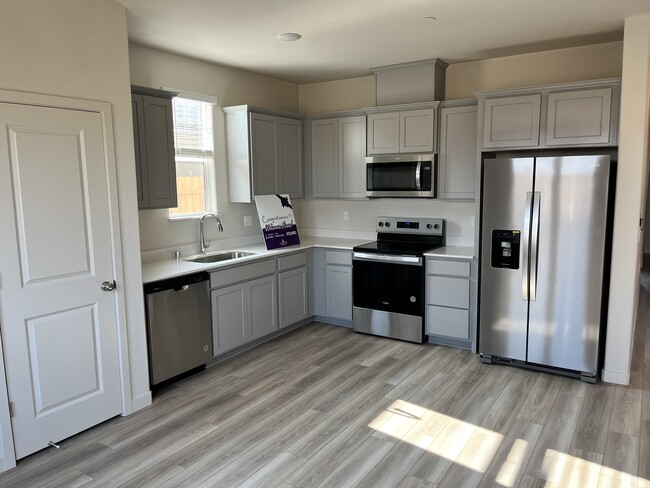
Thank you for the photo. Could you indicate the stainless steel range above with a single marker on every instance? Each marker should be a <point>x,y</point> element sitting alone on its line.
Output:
<point>388,277</point>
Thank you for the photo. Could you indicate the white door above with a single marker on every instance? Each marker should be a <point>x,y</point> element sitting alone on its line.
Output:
<point>59,328</point>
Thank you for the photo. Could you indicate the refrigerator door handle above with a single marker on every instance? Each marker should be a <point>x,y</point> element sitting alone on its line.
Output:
<point>534,242</point>
<point>525,244</point>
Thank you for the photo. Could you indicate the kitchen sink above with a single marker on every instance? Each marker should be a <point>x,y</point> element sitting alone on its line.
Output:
<point>219,256</point>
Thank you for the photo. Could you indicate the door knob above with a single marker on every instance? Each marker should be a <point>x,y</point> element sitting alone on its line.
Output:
<point>109,285</point>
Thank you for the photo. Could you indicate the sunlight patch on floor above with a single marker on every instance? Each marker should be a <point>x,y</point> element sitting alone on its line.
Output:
<point>475,448</point>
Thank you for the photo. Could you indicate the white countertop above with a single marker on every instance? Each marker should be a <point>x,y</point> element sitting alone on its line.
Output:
<point>170,268</point>
<point>452,252</point>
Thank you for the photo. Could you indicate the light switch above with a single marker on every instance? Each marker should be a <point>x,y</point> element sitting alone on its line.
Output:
<point>346,216</point>
<point>248,220</point>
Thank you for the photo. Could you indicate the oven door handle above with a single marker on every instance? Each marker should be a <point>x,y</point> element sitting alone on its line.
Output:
<point>387,258</point>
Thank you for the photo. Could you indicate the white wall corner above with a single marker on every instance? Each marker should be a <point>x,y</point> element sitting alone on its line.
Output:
<point>616,377</point>
<point>630,190</point>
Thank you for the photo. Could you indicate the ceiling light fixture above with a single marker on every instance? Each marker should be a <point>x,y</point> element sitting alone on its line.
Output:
<point>289,36</point>
<point>428,19</point>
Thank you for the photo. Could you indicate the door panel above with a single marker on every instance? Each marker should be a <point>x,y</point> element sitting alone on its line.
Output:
<point>503,308</point>
<point>36,184</point>
<point>565,315</point>
<point>59,328</point>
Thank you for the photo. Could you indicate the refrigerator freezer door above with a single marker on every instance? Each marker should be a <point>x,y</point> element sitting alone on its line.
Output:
<point>564,319</point>
<point>507,199</point>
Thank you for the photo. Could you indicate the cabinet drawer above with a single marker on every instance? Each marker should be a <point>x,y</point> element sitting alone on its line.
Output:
<point>338,257</point>
<point>448,292</point>
<point>241,273</point>
<point>449,322</point>
<point>292,261</point>
<point>453,268</point>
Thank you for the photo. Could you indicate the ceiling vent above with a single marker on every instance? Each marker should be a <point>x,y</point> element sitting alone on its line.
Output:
<point>418,81</point>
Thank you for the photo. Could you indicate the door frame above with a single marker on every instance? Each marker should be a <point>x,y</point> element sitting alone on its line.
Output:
<point>8,455</point>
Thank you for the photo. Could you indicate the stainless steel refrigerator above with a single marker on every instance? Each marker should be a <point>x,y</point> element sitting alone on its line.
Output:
<point>545,260</point>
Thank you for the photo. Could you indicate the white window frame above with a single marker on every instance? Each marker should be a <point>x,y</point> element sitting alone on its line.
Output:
<point>210,180</point>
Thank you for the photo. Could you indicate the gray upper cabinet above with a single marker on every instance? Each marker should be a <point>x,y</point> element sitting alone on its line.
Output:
<point>404,131</point>
<point>153,134</point>
<point>572,114</point>
<point>579,117</point>
<point>457,154</point>
<point>512,121</point>
<point>264,151</point>
<point>338,150</point>
<point>325,158</point>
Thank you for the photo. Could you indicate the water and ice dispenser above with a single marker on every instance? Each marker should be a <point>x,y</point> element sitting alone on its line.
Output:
<point>505,249</point>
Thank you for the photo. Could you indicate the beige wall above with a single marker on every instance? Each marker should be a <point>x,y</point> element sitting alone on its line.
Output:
<point>463,79</point>
<point>335,96</point>
<point>557,66</point>
<point>154,68</point>
<point>78,49</point>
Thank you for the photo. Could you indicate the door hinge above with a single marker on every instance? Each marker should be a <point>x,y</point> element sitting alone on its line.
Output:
<point>11,409</point>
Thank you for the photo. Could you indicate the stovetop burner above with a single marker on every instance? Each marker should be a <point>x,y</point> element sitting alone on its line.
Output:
<point>406,236</point>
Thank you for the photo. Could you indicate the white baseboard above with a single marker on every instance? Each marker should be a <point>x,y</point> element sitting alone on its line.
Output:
<point>141,402</point>
<point>615,377</point>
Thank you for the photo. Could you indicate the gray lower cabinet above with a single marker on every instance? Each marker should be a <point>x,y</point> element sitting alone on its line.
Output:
<point>295,295</point>
<point>457,153</point>
<point>153,135</point>
<point>448,299</point>
<point>338,294</point>
<point>333,285</point>
<point>246,310</point>
<point>264,152</point>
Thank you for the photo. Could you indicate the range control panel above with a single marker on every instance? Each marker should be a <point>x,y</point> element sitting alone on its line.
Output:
<point>415,225</point>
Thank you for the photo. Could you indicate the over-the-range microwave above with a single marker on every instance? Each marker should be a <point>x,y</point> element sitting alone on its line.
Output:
<point>402,176</point>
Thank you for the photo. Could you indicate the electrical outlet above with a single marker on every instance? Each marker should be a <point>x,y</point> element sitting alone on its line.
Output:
<point>346,215</point>
<point>248,220</point>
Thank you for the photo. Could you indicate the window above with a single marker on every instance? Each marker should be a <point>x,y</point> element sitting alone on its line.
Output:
<point>194,144</point>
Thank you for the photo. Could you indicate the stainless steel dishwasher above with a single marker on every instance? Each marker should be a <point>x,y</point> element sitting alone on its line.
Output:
<point>179,329</point>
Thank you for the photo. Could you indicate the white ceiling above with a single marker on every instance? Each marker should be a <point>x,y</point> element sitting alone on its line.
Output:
<point>345,38</point>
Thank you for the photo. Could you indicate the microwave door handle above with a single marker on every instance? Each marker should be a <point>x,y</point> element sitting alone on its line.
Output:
<point>418,185</point>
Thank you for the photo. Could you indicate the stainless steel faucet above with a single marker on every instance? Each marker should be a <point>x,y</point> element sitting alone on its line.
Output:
<point>204,245</point>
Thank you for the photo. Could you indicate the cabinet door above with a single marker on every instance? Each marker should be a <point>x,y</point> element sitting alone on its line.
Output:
<point>294,296</point>
<point>383,133</point>
<point>324,158</point>
<point>512,121</point>
<point>352,157</point>
<point>264,153</point>
<point>140,150</point>
<point>338,292</point>
<point>161,162</point>
<point>457,159</point>
<point>448,322</point>
<point>416,131</point>
<point>448,292</point>
<point>263,300</point>
<point>579,117</point>
<point>230,317</point>
<point>289,166</point>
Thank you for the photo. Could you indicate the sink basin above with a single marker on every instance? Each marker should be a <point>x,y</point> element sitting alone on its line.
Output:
<point>219,256</point>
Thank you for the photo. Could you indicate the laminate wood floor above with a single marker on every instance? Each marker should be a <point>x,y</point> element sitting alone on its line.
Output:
<point>325,407</point>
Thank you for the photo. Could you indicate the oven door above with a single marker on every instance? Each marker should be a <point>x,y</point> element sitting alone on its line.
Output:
<point>388,295</point>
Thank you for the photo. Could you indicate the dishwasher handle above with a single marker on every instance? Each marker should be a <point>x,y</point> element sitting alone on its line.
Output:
<point>178,284</point>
